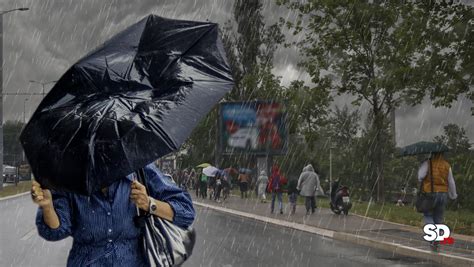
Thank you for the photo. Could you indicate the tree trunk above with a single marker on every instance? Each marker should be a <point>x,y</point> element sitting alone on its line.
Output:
<point>378,153</point>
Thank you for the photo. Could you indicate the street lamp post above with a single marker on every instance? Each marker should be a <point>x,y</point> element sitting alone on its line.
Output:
<point>331,147</point>
<point>1,88</point>
<point>42,85</point>
<point>330,170</point>
<point>24,111</point>
<point>24,123</point>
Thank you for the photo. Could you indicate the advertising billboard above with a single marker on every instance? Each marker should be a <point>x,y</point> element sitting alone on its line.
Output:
<point>256,127</point>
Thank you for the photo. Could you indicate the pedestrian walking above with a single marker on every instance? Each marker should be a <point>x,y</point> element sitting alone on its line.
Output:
<point>308,185</point>
<point>102,225</point>
<point>293,195</point>
<point>203,185</point>
<point>197,180</point>
<point>243,179</point>
<point>262,183</point>
<point>275,187</point>
<point>436,176</point>
<point>218,187</point>
<point>211,183</point>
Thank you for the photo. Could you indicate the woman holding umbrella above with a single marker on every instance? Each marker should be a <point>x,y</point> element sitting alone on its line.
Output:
<point>436,181</point>
<point>108,116</point>
<point>436,176</point>
<point>102,225</point>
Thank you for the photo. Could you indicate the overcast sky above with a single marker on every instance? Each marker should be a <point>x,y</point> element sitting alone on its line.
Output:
<point>40,44</point>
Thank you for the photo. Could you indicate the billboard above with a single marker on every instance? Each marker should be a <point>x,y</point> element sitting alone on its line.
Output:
<point>256,127</point>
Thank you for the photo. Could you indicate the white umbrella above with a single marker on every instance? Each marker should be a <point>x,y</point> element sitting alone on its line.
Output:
<point>210,171</point>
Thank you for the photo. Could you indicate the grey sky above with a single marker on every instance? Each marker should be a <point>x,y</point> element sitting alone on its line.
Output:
<point>42,43</point>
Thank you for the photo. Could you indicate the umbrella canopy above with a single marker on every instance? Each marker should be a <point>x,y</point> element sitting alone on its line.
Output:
<point>203,165</point>
<point>132,100</point>
<point>231,171</point>
<point>245,170</point>
<point>423,148</point>
<point>210,171</point>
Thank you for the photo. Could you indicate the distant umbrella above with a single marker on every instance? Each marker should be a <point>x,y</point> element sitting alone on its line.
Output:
<point>231,171</point>
<point>210,171</point>
<point>423,148</point>
<point>129,102</point>
<point>203,165</point>
<point>245,170</point>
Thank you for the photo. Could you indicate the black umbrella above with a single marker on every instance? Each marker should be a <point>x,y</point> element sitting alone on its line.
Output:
<point>423,148</point>
<point>132,100</point>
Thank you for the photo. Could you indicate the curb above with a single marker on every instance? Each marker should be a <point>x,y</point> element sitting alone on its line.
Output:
<point>441,258</point>
<point>413,229</point>
<point>297,226</point>
<point>14,196</point>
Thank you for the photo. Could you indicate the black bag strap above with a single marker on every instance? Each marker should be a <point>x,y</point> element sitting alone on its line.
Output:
<point>431,176</point>
<point>430,173</point>
<point>141,177</point>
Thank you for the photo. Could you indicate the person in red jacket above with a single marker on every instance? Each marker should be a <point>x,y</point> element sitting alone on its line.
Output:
<point>275,187</point>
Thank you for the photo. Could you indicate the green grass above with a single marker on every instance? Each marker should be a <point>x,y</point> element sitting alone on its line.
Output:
<point>460,221</point>
<point>23,186</point>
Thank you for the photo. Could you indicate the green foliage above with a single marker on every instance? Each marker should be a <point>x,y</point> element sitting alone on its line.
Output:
<point>250,46</point>
<point>461,159</point>
<point>307,110</point>
<point>384,53</point>
<point>455,138</point>
<point>462,165</point>
<point>445,53</point>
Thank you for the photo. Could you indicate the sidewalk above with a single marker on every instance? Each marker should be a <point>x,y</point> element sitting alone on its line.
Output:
<point>401,239</point>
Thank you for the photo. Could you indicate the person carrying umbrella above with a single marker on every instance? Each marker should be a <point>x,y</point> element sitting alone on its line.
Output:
<point>102,225</point>
<point>441,184</point>
<point>129,102</point>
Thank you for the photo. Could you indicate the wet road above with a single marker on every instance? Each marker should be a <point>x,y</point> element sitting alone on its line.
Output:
<point>223,240</point>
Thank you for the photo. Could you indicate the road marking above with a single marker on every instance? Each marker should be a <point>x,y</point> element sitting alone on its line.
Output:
<point>292,225</point>
<point>14,196</point>
<point>28,235</point>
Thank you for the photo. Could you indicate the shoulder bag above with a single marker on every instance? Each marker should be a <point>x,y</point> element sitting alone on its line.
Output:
<point>165,244</point>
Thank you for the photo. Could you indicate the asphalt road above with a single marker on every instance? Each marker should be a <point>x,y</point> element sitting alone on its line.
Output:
<point>223,240</point>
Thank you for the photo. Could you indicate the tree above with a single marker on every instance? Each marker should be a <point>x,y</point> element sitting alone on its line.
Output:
<point>446,54</point>
<point>250,46</point>
<point>344,126</point>
<point>307,110</point>
<point>369,50</point>
<point>455,138</point>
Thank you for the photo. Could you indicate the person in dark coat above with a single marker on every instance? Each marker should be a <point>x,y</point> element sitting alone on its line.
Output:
<point>102,225</point>
<point>293,195</point>
<point>244,179</point>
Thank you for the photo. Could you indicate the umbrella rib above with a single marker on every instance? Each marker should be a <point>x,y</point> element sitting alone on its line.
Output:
<point>189,48</point>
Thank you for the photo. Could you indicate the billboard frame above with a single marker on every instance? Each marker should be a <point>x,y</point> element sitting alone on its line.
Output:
<point>262,153</point>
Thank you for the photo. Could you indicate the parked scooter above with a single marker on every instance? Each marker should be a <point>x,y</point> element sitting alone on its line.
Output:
<point>340,201</point>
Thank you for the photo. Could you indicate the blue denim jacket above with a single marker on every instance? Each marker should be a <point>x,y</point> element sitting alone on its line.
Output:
<point>102,227</point>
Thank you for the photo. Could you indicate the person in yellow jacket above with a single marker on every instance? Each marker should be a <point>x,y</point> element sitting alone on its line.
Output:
<point>443,187</point>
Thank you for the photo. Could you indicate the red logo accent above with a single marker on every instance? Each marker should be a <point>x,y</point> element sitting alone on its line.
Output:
<point>447,241</point>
